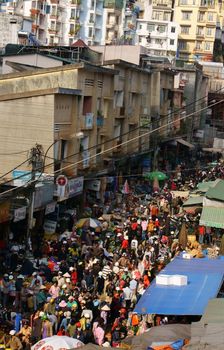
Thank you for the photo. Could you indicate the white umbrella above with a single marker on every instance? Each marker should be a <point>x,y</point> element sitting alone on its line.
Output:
<point>57,343</point>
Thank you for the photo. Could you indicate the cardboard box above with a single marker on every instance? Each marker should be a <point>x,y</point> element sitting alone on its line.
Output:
<point>164,279</point>
<point>179,280</point>
<point>187,256</point>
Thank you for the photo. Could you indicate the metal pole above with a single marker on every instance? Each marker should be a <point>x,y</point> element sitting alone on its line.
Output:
<point>36,159</point>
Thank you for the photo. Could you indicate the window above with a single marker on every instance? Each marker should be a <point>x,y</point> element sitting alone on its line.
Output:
<point>173,29</point>
<point>140,26</point>
<point>172,41</point>
<point>157,15</point>
<point>198,45</point>
<point>201,16</point>
<point>161,29</point>
<point>166,16</point>
<point>158,41</point>
<point>210,16</point>
<point>182,45</point>
<point>151,27</point>
<point>90,33</point>
<point>209,31</point>
<point>200,31</point>
<point>91,18</point>
<point>92,4</point>
<point>186,15</point>
<point>140,39</point>
<point>183,2</point>
<point>185,29</point>
<point>207,46</point>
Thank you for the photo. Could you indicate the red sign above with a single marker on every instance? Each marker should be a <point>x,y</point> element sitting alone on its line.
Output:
<point>61,180</point>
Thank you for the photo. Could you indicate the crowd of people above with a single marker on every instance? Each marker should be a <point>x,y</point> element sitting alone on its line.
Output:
<point>85,284</point>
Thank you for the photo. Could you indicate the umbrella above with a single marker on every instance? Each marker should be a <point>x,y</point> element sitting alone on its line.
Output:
<point>56,343</point>
<point>88,222</point>
<point>156,175</point>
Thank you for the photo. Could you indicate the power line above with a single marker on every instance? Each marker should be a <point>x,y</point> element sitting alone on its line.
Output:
<point>123,143</point>
<point>110,140</point>
<point>136,137</point>
<point>25,161</point>
<point>13,153</point>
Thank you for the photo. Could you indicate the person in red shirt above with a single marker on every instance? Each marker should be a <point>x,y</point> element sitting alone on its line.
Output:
<point>124,244</point>
<point>74,276</point>
<point>201,231</point>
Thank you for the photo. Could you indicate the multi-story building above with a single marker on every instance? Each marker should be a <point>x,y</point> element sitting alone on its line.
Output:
<point>197,20</point>
<point>91,22</point>
<point>112,21</point>
<point>156,29</point>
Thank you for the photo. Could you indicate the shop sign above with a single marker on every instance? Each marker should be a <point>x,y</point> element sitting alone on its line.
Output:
<point>4,212</point>
<point>43,194</point>
<point>75,186</point>
<point>50,208</point>
<point>61,180</point>
<point>93,185</point>
<point>19,214</point>
<point>50,226</point>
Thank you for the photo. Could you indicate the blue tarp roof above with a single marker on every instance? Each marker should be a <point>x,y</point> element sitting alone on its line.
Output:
<point>205,277</point>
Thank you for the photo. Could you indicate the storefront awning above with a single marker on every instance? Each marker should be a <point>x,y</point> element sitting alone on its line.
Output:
<point>212,217</point>
<point>193,201</point>
<point>185,143</point>
<point>213,150</point>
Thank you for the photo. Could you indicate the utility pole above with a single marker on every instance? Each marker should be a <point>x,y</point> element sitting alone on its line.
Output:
<point>36,161</point>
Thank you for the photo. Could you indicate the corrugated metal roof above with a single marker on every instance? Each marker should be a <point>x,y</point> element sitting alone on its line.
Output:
<point>204,186</point>
<point>214,312</point>
<point>205,277</point>
<point>212,217</point>
<point>216,192</point>
<point>193,201</point>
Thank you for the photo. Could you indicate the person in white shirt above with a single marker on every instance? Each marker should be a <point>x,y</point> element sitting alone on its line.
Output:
<point>127,294</point>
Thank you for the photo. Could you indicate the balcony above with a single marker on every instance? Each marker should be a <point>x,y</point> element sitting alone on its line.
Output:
<point>162,4</point>
<point>34,12</point>
<point>52,30</point>
<point>200,36</point>
<point>117,146</point>
<point>75,3</point>
<point>113,4</point>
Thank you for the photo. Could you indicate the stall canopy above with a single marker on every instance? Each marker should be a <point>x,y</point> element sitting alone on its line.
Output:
<point>205,277</point>
<point>216,192</point>
<point>185,143</point>
<point>214,312</point>
<point>193,201</point>
<point>212,217</point>
<point>205,185</point>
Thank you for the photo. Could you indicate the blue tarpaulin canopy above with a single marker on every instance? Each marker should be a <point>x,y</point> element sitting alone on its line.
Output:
<point>205,277</point>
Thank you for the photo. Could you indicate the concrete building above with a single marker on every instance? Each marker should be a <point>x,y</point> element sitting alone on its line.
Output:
<point>120,100</point>
<point>63,101</point>
<point>9,28</point>
<point>112,21</point>
<point>197,20</point>
<point>91,22</point>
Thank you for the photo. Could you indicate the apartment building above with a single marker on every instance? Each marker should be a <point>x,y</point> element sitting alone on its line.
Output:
<point>112,21</point>
<point>155,28</point>
<point>197,20</point>
<point>91,22</point>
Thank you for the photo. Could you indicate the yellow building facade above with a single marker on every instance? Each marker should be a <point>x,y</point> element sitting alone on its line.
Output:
<point>197,20</point>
